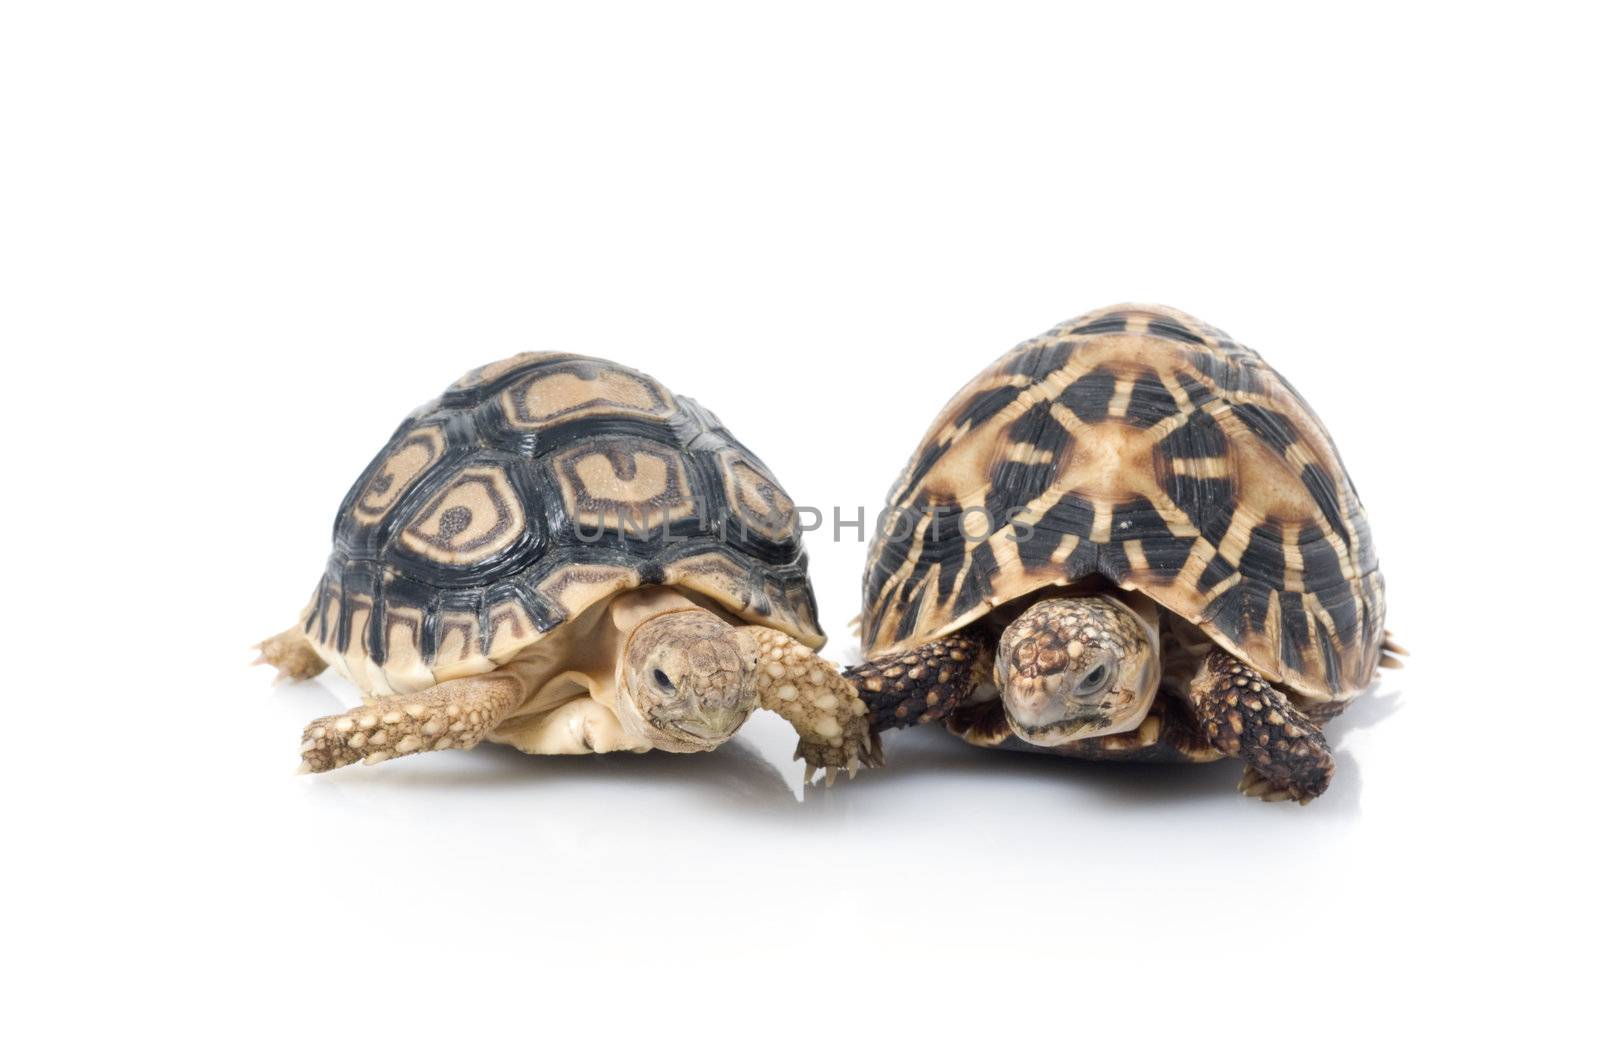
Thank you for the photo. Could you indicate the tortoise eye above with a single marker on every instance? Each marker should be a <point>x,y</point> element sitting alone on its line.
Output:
<point>1095,680</point>
<point>663,682</point>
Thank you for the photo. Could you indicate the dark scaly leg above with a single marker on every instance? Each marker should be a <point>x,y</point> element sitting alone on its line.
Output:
<point>923,684</point>
<point>1243,716</point>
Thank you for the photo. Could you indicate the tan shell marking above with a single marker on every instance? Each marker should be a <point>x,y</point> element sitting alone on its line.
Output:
<point>545,398</point>
<point>412,457</point>
<point>575,587</point>
<point>634,490</point>
<point>472,519</point>
<point>719,579</point>
<point>489,372</point>
<point>458,638</point>
<point>755,500</point>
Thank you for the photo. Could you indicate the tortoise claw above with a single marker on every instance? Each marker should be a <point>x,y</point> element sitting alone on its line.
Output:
<point>1254,784</point>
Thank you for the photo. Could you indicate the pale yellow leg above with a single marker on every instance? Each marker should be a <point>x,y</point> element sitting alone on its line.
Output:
<point>453,715</point>
<point>808,692</point>
<point>291,654</point>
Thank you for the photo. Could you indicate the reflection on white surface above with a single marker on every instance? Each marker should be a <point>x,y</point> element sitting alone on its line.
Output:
<point>942,812</point>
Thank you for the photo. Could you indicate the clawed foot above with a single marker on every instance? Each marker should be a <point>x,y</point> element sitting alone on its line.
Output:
<point>1292,761</point>
<point>854,748</point>
<point>1244,716</point>
<point>835,729</point>
<point>291,655</point>
<point>1255,784</point>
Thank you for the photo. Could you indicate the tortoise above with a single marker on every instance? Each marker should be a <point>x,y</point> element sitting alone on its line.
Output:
<point>1145,537</point>
<point>561,555</point>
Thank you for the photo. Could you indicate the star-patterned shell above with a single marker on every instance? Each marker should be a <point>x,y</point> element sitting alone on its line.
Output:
<point>531,490</point>
<point>1138,445</point>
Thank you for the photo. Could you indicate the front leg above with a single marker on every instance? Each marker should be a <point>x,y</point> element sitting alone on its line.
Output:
<point>452,715</point>
<point>1244,716</point>
<point>923,684</point>
<point>807,691</point>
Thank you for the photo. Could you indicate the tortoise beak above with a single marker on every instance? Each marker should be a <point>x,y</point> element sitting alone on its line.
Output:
<point>1037,705</point>
<point>1055,734</point>
<point>1040,714</point>
<point>712,725</point>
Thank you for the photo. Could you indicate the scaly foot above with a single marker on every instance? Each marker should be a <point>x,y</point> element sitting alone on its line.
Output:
<point>807,691</point>
<point>291,654</point>
<point>1244,716</point>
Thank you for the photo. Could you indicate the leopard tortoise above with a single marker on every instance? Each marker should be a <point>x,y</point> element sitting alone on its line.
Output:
<point>560,554</point>
<point>1128,538</point>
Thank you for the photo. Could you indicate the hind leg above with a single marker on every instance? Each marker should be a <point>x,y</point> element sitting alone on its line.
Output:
<point>291,654</point>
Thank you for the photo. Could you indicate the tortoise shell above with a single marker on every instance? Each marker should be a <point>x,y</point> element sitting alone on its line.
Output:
<point>533,489</point>
<point>1138,446</point>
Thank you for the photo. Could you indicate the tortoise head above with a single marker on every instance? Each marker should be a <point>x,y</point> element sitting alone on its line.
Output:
<point>686,681</point>
<point>1074,668</point>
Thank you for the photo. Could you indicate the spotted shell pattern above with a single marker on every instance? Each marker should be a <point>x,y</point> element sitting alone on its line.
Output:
<point>532,489</point>
<point>1143,446</point>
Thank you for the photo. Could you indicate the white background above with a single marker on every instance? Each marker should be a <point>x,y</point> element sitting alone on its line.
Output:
<point>241,241</point>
